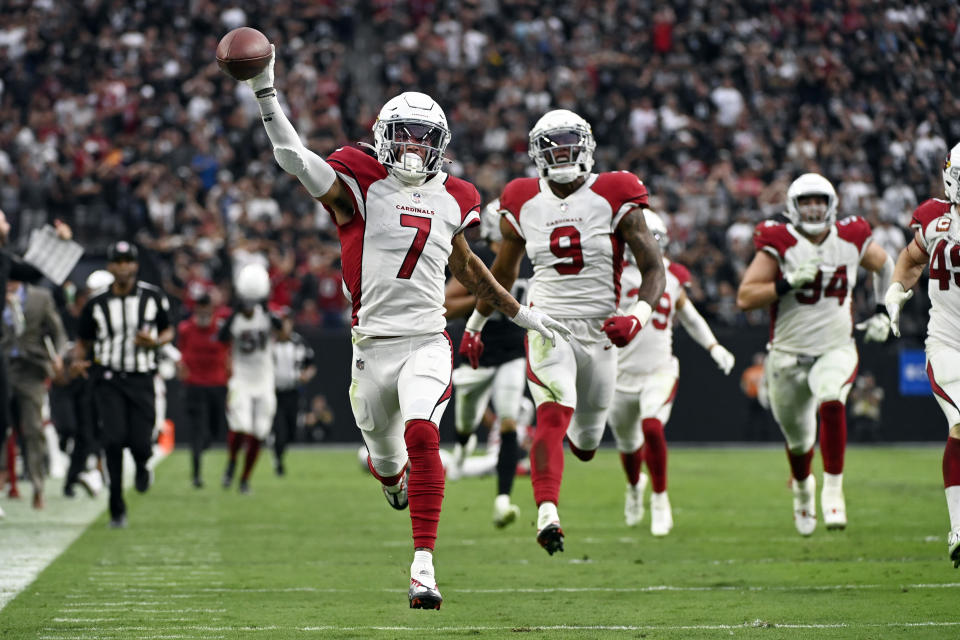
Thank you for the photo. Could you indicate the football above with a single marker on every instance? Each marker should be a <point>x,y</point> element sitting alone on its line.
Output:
<point>243,53</point>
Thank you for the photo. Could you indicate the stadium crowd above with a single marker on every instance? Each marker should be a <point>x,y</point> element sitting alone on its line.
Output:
<point>716,105</point>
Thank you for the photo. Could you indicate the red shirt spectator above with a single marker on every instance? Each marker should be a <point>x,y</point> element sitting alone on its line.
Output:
<point>204,357</point>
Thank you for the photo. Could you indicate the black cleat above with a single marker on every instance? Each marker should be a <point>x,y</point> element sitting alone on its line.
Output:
<point>423,597</point>
<point>143,479</point>
<point>228,475</point>
<point>551,538</point>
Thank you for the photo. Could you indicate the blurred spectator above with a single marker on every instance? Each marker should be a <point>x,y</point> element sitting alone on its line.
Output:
<point>865,400</point>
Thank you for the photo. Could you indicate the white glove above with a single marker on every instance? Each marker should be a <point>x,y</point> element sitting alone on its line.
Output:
<point>877,327</point>
<point>723,358</point>
<point>803,274</point>
<point>894,300</point>
<point>264,79</point>
<point>530,318</point>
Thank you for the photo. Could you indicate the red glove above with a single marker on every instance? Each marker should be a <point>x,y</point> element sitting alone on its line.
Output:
<point>471,347</point>
<point>621,329</point>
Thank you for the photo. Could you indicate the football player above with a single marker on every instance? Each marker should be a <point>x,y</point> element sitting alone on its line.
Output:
<point>251,399</point>
<point>647,373</point>
<point>400,219</point>
<point>937,243</point>
<point>498,375</point>
<point>573,224</point>
<point>805,271</point>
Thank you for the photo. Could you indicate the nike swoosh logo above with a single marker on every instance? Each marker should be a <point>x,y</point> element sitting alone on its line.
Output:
<point>633,324</point>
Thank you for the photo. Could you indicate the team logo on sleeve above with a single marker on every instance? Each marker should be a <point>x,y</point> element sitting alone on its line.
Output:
<point>943,224</point>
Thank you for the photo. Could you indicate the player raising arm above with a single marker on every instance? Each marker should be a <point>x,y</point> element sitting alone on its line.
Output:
<point>400,220</point>
<point>573,224</point>
<point>805,271</point>
<point>937,242</point>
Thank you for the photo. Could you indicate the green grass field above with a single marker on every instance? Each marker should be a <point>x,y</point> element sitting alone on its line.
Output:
<point>319,554</point>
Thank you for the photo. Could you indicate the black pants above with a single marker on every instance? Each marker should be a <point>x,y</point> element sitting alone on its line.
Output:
<point>74,415</point>
<point>207,413</point>
<point>285,421</point>
<point>126,405</point>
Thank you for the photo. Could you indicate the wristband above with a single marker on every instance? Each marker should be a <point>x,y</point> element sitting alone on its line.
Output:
<point>782,287</point>
<point>641,311</point>
<point>476,321</point>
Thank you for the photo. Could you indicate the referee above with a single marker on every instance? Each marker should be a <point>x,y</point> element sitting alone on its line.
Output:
<point>123,326</point>
<point>293,367</point>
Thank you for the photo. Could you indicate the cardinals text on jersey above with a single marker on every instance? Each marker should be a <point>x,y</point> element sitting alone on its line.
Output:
<point>939,227</point>
<point>572,242</point>
<point>395,248</point>
<point>813,319</point>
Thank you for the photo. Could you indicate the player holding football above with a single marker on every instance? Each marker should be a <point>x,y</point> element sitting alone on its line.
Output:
<point>400,220</point>
<point>805,271</point>
<point>251,398</point>
<point>498,376</point>
<point>573,224</point>
<point>647,373</point>
<point>937,242</point>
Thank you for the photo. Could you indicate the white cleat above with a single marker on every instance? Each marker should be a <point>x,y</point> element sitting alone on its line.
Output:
<point>424,593</point>
<point>834,508</point>
<point>805,505</point>
<point>661,516</point>
<point>397,494</point>
<point>953,547</point>
<point>504,512</point>
<point>549,533</point>
<point>633,503</point>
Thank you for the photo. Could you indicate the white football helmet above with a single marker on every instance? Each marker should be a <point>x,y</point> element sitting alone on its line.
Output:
<point>252,283</point>
<point>811,218</point>
<point>410,137</point>
<point>99,279</point>
<point>951,175</point>
<point>562,144</point>
<point>657,228</point>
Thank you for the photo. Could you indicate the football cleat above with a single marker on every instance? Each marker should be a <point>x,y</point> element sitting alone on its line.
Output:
<point>549,533</point>
<point>805,505</point>
<point>118,522</point>
<point>396,494</point>
<point>228,475</point>
<point>834,508</point>
<point>424,592</point>
<point>143,478</point>
<point>661,516</point>
<point>245,488</point>
<point>953,546</point>
<point>633,504</point>
<point>504,512</point>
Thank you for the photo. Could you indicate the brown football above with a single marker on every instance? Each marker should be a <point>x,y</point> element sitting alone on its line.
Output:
<point>243,53</point>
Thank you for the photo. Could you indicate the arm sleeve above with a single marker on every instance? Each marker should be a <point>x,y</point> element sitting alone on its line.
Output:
<point>882,279</point>
<point>86,327</point>
<point>696,326</point>
<point>294,158</point>
<point>163,313</point>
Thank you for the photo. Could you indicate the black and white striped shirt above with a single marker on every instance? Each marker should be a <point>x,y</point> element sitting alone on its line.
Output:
<point>111,323</point>
<point>290,358</point>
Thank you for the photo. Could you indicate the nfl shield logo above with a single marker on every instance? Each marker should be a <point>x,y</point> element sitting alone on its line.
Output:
<point>416,197</point>
<point>360,364</point>
<point>563,207</point>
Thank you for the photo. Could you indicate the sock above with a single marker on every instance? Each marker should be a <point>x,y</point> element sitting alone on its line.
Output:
<point>425,481</point>
<point>234,442</point>
<point>253,450</point>
<point>655,453</point>
<point>506,462</point>
<point>546,453</point>
<point>632,463</point>
<point>581,453</point>
<point>951,480</point>
<point>833,435</point>
<point>800,464</point>
<point>832,481</point>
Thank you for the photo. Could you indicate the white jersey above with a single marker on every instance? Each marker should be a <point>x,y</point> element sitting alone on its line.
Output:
<point>652,348</point>
<point>394,250</point>
<point>251,342</point>
<point>939,226</point>
<point>572,242</point>
<point>816,318</point>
